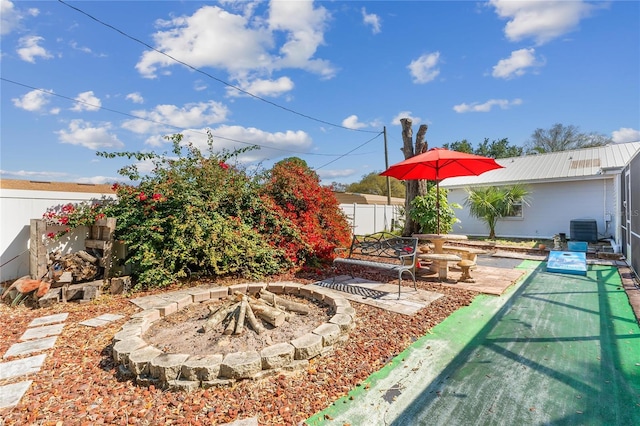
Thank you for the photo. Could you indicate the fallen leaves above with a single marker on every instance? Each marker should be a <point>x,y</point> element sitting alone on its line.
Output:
<point>79,383</point>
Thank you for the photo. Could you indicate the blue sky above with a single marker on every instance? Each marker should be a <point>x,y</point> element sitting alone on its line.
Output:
<point>318,80</point>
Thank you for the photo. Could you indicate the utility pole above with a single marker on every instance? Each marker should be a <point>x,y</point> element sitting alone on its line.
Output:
<point>386,166</point>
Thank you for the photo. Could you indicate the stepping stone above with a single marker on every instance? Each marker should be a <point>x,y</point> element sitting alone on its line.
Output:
<point>146,302</point>
<point>31,346</point>
<point>10,395</point>
<point>21,367</point>
<point>44,331</point>
<point>50,319</point>
<point>250,421</point>
<point>101,320</point>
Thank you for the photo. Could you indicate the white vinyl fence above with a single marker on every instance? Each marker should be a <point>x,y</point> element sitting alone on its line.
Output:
<point>17,208</point>
<point>371,218</point>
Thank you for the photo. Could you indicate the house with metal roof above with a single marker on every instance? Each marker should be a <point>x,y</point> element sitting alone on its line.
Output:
<point>577,190</point>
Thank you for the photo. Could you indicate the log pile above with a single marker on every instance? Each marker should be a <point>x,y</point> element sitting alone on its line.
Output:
<point>73,267</point>
<point>242,309</point>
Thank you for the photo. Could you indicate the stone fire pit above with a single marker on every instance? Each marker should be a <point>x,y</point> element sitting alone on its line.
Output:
<point>149,365</point>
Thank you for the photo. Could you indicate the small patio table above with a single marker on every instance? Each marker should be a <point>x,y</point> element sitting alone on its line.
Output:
<point>438,240</point>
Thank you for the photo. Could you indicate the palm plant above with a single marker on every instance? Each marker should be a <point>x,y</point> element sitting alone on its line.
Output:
<point>492,203</point>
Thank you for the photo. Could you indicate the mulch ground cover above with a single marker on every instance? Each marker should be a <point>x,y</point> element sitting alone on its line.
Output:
<point>79,383</point>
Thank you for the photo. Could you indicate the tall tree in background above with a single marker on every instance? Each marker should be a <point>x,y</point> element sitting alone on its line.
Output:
<point>375,184</point>
<point>563,138</point>
<point>460,146</point>
<point>414,187</point>
<point>498,149</point>
<point>494,149</point>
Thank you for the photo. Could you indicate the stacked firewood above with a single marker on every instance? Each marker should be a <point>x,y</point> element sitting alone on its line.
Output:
<point>242,309</point>
<point>73,267</point>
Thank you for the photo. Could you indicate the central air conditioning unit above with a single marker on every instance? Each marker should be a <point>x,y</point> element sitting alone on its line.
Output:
<point>584,230</point>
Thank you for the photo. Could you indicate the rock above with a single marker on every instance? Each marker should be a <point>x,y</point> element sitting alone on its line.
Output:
<point>277,356</point>
<point>140,359</point>
<point>307,346</point>
<point>329,332</point>
<point>240,365</point>
<point>167,367</point>
<point>123,348</point>
<point>202,367</point>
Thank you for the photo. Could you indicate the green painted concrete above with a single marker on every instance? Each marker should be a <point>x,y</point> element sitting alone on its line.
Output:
<point>555,349</point>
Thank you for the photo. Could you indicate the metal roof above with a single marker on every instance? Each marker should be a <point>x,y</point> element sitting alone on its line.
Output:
<point>559,166</point>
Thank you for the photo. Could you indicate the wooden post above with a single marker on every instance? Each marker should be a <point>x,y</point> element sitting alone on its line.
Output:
<point>101,238</point>
<point>37,250</point>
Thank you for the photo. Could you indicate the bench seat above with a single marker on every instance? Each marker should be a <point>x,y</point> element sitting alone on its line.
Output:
<point>383,251</point>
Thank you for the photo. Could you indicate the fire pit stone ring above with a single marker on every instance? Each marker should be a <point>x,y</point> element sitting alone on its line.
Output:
<point>148,365</point>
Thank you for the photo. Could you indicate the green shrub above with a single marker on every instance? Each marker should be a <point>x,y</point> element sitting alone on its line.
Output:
<point>197,215</point>
<point>424,211</point>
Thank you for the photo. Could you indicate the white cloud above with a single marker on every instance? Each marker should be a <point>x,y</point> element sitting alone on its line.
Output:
<point>168,117</point>
<point>199,86</point>
<point>30,49</point>
<point>487,106</point>
<point>233,137</point>
<point>625,134</point>
<point>259,87</point>
<point>74,45</point>
<point>425,68</point>
<point>84,134</point>
<point>87,101</point>
<point>516,65</point>
<point>541,21</point>
<point>304,28</point>
<point>27,174</point>
<point>98,179</point>
<point>352,122</point>
<point>135,97</point>
<point>373,20</point>
<point>336,173</point>
<point>10,16</point>
<point>211,37</point>
<point>405,114</point>
<point>34,100</point>
<point>214,37</point>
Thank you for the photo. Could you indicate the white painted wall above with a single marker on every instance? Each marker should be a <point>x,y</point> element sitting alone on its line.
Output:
<point>17,208</point>
<point>551,208</point>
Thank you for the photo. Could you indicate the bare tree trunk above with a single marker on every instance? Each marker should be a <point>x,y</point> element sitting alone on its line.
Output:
<point>414,188</point>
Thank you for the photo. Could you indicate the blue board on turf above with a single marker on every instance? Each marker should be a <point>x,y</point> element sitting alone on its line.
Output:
<point>567,262</point>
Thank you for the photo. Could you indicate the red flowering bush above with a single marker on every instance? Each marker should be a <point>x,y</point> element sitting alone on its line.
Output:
<point>314,209</point>
<point>72,216</point>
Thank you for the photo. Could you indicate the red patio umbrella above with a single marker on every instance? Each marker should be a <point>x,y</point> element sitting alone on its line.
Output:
<point>440,163</point>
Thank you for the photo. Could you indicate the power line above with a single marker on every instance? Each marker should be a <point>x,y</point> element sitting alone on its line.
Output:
<point>209,75</point>
<point>347,153</point>
<point>165,124</point>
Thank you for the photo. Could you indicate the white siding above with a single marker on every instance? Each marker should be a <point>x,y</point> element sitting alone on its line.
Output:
<point>551,208</point>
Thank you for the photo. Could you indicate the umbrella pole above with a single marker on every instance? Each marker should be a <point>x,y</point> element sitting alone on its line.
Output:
<point>438,204</point>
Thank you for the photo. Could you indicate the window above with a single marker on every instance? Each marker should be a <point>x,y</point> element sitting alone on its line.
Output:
<point>517,212</point>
